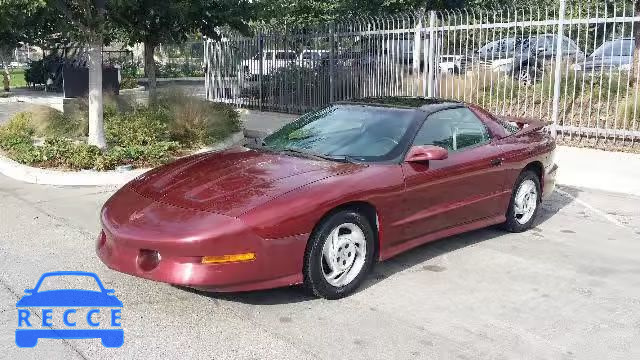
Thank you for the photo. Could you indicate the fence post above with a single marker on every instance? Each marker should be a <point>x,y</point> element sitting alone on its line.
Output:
<point>557,71</point>
<point>332,67</point>
<point>207,78</point>
<point>431,60</point>
<point>260,70</point>
<point>417,45</point>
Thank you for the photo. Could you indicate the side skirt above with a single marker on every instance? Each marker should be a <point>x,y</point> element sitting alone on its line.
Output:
<point>458,229</point>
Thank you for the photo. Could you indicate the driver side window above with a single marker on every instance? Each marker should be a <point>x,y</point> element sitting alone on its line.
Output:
<point>453,129</point>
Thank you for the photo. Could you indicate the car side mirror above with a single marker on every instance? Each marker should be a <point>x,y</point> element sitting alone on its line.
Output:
<point>422,153</point>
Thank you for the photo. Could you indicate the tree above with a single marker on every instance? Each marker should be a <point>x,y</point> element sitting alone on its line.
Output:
<point>84,21</point>
<point>15,28</point>
<point>43,21</point>
<point>153,22</point>
<point>296,12</point>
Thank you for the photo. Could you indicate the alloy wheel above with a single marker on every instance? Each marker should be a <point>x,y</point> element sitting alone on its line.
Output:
<point>343,254</point>
<point>526,201</point>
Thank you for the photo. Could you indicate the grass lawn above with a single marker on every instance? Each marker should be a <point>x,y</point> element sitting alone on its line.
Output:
<point>17,78</point>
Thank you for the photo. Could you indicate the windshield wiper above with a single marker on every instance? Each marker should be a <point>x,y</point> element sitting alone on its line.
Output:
<point>342,158</point>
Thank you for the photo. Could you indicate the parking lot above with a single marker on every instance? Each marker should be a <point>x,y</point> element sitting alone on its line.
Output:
<point>570,288</point>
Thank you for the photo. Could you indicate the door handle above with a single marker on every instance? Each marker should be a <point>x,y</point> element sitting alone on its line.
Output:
<point>497,162</point>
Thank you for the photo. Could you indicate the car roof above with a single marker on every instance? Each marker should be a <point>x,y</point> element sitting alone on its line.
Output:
<point>419,103</point>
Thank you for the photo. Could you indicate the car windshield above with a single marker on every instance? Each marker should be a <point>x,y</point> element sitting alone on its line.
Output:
<point>615,48</point>
<point>361,132</point>
<point>68,282</point>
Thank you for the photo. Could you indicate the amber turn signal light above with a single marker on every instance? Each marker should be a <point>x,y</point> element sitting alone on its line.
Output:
<point>228,258</point>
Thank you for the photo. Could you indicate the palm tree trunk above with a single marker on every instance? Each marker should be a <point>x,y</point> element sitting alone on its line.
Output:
<point>150,68</point>
<point>96,121</point>
<point>6,78</point>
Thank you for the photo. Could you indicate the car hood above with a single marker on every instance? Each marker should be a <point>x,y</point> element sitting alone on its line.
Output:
<point>234,181</point>
<point>69,298</point>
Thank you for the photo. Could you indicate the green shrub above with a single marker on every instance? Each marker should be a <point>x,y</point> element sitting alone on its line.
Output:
<point>160,153</point>
<point>107,161</point>
<point>137,135</point>
<point>20,123</point>
<point>141,127</point>
<point>35,74</point>
<point>18,132</point>
<point>25,153</point>
<point>129,83</point>
<point>195,121</point>
<point>57,151</point>
<point>84,156</point>
<point>147,155</point>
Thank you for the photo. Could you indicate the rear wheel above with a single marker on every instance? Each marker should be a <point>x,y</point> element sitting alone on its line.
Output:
<point>524,204</point>
<point>339,255</point>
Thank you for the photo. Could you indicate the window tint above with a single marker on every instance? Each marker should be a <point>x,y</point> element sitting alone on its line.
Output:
<point>615,48</point>
<point>453,129</point>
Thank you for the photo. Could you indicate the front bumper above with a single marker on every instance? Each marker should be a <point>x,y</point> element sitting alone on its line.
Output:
<point>168,243</point>
<point>550,181</point>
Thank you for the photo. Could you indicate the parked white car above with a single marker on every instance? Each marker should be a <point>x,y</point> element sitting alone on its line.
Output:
<point>273,60</point>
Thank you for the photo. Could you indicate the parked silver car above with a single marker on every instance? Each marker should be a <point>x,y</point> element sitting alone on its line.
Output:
<point>612,55</point>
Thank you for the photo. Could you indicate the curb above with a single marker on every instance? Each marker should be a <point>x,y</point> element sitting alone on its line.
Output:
<point>28,174</point>
<point>132,90</point>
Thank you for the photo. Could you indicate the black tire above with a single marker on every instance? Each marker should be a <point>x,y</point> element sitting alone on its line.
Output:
<point>513,224</point>
<point>314,279</point>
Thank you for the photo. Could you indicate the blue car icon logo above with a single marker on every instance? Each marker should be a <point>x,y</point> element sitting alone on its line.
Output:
<point>70,305</point>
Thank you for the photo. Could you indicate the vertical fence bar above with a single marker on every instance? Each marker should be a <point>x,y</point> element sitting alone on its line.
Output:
<point>260,70</point>
<point>332,65</point>
<point>558,70</point>
<point>417,46</point>
<point>431,59</point>
<point>205,50</point>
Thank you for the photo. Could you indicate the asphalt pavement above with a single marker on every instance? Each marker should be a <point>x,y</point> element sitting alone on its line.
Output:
<point>567,289</point>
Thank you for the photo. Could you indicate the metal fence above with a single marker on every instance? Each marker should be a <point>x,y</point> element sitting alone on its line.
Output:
<point>570,65</point>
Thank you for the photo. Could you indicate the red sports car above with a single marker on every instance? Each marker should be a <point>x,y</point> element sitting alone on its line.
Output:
<point>323,198</point>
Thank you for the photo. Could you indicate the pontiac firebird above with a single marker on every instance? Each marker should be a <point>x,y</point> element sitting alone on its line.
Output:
<point>323,198</point>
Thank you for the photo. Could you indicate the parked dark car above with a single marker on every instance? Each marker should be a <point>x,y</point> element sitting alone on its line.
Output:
<point>612,55</point>
<point>524,58</point>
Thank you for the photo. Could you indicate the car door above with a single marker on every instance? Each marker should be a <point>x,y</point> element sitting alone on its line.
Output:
<point>465,187</point>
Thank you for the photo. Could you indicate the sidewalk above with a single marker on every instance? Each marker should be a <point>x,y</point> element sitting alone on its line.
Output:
<point>578,167</point>
<point>598,169</point>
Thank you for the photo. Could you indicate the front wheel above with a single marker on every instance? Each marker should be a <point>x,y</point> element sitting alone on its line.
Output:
<point>339,255</point>
<point>524,204</point>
